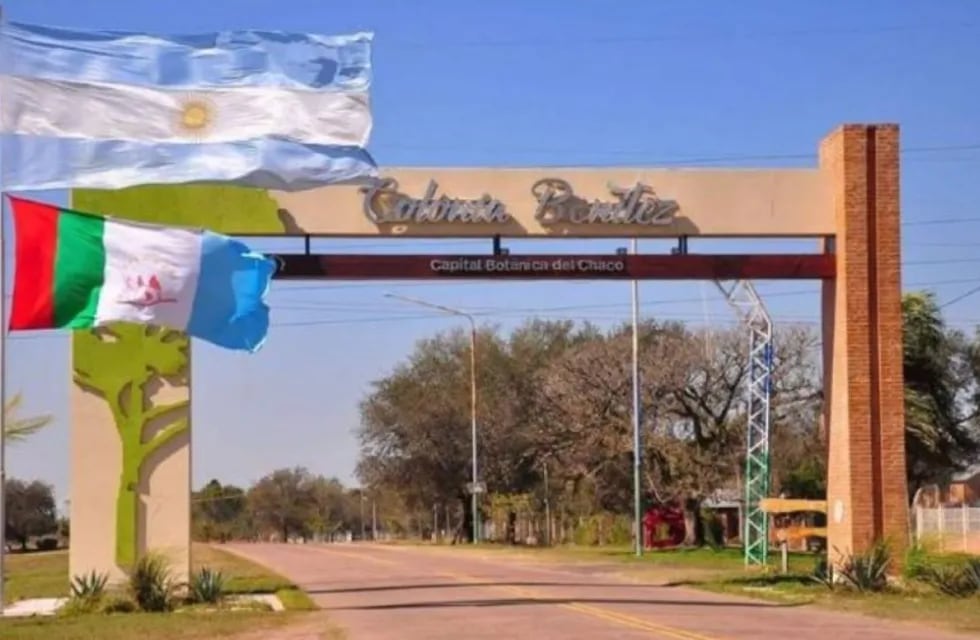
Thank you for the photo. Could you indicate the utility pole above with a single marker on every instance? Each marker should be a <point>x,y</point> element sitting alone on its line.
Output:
<point>547,507</point>
<point>475,488</point>
<point>363,523</point>
<point>637,445</point>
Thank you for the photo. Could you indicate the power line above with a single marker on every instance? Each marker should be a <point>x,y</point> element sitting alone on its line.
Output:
<point>509,311</point>
<point>702,34</point>
<point>962,296</point>
<point>676,160</point>
<point>912,223</point>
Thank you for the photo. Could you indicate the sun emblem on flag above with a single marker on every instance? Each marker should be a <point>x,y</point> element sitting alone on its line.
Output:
<point>195,116</point>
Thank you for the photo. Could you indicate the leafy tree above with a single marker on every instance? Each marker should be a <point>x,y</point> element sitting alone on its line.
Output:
<point>125,364</point>
<point>219,512</point>
<point>556,396</point>
<point>941,373</point>
<point>16,429</point>
<point>284,502</point>
<point>29,510</point>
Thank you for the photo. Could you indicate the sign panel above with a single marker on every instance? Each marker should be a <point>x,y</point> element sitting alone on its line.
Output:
<point>567,203</point>
<point>557,267</point>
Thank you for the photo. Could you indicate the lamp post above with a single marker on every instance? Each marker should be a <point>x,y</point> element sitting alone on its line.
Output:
<point>637,419</point>
<point>472,321</point>
<point>363,523</point>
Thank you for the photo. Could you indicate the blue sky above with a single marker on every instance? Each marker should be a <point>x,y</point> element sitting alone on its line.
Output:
<point>546,82</point>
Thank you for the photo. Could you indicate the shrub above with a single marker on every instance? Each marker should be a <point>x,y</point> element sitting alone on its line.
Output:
<point>207,586</point>
<point>822,573</point>
<point>118,604</point>
<point>586,532</point>
<point>951,580</point>
<point>972,571</point>
<point>78,606</point>
<point>47,543</point>
<point>714,529</point>
<point>89,586</point>
<point>151,584</point>
<point>621,531</point>
<point>957,580</point>
<point>917,562</point>
<point>87,591</point>
<point>867,571</point>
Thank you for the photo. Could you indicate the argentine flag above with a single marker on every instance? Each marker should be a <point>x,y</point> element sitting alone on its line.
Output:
<point>110,109</point>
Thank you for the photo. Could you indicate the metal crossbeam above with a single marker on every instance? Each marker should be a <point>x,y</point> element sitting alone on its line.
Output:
<point>747,304</point>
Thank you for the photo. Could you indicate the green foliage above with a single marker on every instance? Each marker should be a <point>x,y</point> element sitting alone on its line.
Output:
<point>941,372</point>
<point>295,600</point>
<point>219,513</point>
<point>956,581</point>
<point>918,561</point>
<point>87,594</point>
<point>89,585</point>
<point>152,585</point>
<point>47,543</point>
<point>17,429</point>
<point>956,575</point>
<point>867,571</point>
<point>822,573</point>
<point>602,529</point>
<point>714,529</point>
<point>118,604</point>
<point>207,586</point>
<point>29,510</point>
<point>807,481</point>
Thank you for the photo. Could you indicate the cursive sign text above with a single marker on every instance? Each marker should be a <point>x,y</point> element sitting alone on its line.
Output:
<point>383,204</point>
<point>557,203</point>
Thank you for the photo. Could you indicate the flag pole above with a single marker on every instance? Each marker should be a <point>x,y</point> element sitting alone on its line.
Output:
<point>3,369</point>
<point>3,402</point>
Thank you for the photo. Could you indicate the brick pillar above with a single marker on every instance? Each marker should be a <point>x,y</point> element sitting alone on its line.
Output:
<point>867,498</point>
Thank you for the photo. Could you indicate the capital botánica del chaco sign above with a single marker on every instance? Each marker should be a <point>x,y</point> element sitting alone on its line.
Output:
<point>571,202</point>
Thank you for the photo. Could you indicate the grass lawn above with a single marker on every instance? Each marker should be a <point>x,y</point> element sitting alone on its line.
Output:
<point>916,604</point>
<point>38,575</point>
<point>145,626</point>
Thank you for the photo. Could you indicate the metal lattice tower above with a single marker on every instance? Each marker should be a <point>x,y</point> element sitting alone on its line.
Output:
<point>747,304</point>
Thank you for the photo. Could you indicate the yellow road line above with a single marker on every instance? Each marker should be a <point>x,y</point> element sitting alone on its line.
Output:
<point>357,556</point>
<point>601,613</point>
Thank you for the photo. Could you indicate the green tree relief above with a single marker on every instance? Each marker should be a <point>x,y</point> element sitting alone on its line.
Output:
<point>124,364</point>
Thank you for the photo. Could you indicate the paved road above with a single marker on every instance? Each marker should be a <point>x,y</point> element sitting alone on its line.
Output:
<point>404,593</point>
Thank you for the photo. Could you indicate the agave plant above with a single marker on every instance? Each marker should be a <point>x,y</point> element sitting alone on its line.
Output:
<point>151,584</point>
<point>89,586</point>
<point>951,580</point>
<point>823,573</point>
<point>207,586</point>
<point>867,571</point>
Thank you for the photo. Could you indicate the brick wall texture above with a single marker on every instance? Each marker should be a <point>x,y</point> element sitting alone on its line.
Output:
<point>862,324</point>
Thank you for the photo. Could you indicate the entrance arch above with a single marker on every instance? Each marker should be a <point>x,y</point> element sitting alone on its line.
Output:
<point>848,204</point>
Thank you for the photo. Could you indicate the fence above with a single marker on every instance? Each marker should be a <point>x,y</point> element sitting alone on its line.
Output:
<point>949,528</point>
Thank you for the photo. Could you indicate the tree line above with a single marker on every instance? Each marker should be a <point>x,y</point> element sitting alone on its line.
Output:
<point>555,434</point>
<point>555,416</point>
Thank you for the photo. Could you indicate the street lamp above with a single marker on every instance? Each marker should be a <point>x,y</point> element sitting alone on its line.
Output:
<point>462,314</point>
